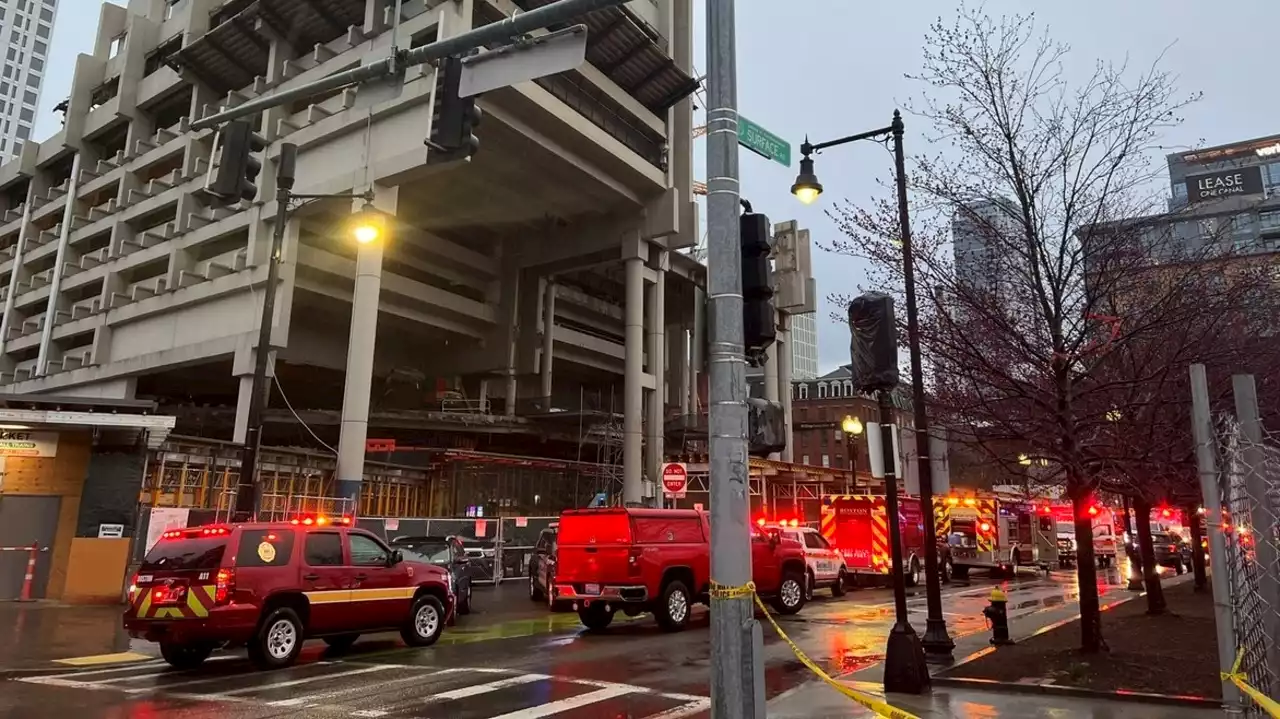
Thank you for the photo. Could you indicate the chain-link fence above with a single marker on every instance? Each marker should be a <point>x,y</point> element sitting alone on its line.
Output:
<point>1249,490</point>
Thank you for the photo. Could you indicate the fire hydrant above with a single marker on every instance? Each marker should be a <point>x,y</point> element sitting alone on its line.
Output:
<point>997,613</point>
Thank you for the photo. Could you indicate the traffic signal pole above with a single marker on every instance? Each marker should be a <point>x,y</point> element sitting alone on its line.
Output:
<point>247,495</point>
<point>737,675</point>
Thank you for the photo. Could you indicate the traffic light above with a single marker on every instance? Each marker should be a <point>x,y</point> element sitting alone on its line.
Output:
<point>874,343</point>
<point>766,427</point>
<point>454,118</point>
<point>233,178</point>
<point>759,326</point>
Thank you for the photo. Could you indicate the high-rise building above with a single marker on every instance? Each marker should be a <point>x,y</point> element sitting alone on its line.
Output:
<point>25,29</point>
<point>1225,194</point>
<point>804,346</point>
<point>978,233</point>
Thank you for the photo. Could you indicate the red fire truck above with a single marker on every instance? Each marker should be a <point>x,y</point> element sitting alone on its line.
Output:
<point>858,527</point>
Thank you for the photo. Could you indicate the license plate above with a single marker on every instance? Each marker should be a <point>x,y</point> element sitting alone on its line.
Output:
<point>591,589</point>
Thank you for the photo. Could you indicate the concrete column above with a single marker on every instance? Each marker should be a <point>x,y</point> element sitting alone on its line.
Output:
<point>360,353</point>
<point>656,353</point>
<point>6,318</point>
<point>682,366</point>
<point>241,427</point>
<point>698,347</point>
<point>548,340</point>
<point>633,384</point>
<point>783,354</point>
<point>55,285</point>
<point>484,396</point>
<point>771,381</point>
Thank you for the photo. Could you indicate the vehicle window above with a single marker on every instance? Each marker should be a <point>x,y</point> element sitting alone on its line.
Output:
<point>458,551</point>
<point>324,549</point>
<point>365,552</point>
<point>264,548</point>
<point>665,530</point>
<point>181,554</point>
<point>430,552</point>
<point>544,542</point>
<point>814,541</point>
<point>603,527</point>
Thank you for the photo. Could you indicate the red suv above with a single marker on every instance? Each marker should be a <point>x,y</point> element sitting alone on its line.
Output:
<point>659,561</point>
<point>272,586</point>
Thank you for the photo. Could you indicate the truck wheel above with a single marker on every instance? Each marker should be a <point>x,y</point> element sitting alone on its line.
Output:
<point>913,573</point>
<point>595,617</point>
<point>674,606</point>
<point>810,585</point>
<point>945,570</point>
<point>837,589</point>
<point>1179,568</point>
<point>464,601</point>
<point>791,596</point>
<point>278,640</point>
<point>185,656</point>
<point>426,622</point>
<point>535,592</point>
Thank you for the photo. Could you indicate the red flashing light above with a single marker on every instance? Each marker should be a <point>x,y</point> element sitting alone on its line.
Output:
<point>160,594</point>
<point>271,537</point>
<point>344,520</point>
<point>952,501</point>
<point>1045,509</point>
<point>294,522</point>
<point>308,521</point>
<point>760,522</point>
<point>795,523</point>
<point>224,583</point>
<point>321,521</point>
<point>1166,513</point>
<point>171,534</point>
<point>985,526</point>
<point>1093,510</point>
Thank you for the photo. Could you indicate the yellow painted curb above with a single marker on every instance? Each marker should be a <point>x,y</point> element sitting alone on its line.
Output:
<point>117,658</point>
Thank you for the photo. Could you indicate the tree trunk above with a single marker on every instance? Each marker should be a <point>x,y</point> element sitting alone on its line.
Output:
<point>1087,575</point>
<point>1155,594</point>
<point>1196,523</point>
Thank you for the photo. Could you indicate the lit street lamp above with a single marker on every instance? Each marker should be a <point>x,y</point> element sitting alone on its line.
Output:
<point>936,640</point>
<point>852,427</point>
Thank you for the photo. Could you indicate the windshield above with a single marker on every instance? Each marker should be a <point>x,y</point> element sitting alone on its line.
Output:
<point>170,555</point>
<point>431,552</point>
<point>1066,528</point>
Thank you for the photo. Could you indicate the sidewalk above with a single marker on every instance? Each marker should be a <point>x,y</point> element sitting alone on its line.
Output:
<point>816,700</point>
<point>35,635</point>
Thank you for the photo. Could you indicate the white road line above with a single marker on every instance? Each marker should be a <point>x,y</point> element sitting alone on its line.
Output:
<point>683,710</point>
<point>310,699</point>
<point>565,705</point>
<point>487,687</point>
<point>69,683</point>
<point>295,682</point>
<point>108,670</point>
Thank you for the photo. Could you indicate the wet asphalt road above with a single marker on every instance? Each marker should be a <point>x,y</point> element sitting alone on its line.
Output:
<point>508,663</point>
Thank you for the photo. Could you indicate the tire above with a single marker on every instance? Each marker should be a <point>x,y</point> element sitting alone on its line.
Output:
<point>810,585</point>
<point>342,642</point>
<point>945,570</point>
<point>426,622</point>
<point>1179,568</point>
<point>674,606</point>
<point>464,602</point>
<point>595,617</point>
<point>790,598</point>
<point>535,592</point>
<point>185,656</point>
<point>913,574</point>
<point>837,589</point>
<point>278,640</point>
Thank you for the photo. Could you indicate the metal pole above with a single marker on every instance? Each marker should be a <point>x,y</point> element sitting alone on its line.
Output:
<point>905,671</point>
<point>247,486</point>
<point>737,674</point>
<point>359,379</point>
<point>937,642</point>
<point>1206,461</point>
<point>498,32</point>
<point>1261,517</point>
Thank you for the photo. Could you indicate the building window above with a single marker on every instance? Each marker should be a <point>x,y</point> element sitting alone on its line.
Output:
<point>42,31</point>
<point>27,115</point>
<point>46,14</point>
<point>29,97</point>
<point>826,461</point>
<point>804,459</point>
<point>822,390</point>
<point>117,44</point>
<point>37,65</point>
<point>804,391</point>
<point>42,48</point>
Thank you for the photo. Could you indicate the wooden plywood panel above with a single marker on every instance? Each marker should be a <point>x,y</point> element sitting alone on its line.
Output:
<point>62,475</point>
<point>66,534</point>
<point>96,570</point>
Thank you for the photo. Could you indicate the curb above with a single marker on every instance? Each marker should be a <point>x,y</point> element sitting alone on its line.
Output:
<point>1067,691</point>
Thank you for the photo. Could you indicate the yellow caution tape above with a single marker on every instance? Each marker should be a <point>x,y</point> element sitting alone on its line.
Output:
<point>876,705</point>
<point>1237,677</point>
<point>724,591</point>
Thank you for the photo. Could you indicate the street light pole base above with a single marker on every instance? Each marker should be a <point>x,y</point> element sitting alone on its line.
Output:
<point>937,643</point>
<point>905,671</point>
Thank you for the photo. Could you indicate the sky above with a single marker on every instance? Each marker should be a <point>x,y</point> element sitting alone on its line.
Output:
<point>829,68</point>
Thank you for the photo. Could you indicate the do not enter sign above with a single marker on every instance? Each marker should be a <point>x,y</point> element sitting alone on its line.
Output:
<point>675,479</point>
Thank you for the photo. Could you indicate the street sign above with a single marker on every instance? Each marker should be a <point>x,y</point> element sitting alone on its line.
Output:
<point>763,143</point>
<point>524,60</point>
<point>675,479</point>
<point>806,426</point>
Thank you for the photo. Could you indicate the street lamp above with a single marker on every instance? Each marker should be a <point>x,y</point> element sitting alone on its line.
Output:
<point>852,427</point>
<point>936,640</point>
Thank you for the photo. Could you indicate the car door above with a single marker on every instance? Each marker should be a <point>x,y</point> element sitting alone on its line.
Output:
<point>326,581</point>
<point>764,562</point>
<point>380,590</point>
<point>459,566</point>
<point>819,555</point>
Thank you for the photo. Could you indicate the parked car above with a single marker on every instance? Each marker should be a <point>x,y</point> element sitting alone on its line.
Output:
<point>271,586</point>
<point>542,567</point>
<point>1171,551</point>
<point>658,560</point>
<point>447,553</point>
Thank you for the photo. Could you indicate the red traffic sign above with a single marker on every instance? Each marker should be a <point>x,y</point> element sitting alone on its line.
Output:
<point>675,478</point>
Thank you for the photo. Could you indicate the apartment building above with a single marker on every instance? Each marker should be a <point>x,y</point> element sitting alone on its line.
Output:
<point>26,27</point>
<point>550,248</point>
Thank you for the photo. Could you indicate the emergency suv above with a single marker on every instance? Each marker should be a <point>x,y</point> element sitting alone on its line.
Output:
<point>824,565</point>
<point>659,560</point>
<point>271,586</point>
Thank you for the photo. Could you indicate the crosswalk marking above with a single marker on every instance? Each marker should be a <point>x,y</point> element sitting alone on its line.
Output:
<point>345,699</point>
<point>564,705</point>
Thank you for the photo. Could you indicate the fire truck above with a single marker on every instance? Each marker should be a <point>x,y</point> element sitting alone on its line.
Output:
<point>990,531</point>
<point>857,525</point>
<point>1107,531</point>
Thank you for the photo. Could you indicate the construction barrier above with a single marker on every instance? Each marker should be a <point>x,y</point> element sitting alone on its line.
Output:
<point>28,580</point>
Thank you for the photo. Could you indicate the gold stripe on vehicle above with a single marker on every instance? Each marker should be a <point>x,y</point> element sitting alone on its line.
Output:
<point>328,596</point>
<point>373,595</point>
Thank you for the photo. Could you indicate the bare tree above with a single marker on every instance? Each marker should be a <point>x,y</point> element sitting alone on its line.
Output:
<point>1061,311</point>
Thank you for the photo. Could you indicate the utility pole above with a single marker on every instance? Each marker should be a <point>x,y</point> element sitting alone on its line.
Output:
<point>737,675</point>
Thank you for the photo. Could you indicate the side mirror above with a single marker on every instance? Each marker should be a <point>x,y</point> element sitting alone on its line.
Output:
<point>396,557</point>
<point>775,538</point>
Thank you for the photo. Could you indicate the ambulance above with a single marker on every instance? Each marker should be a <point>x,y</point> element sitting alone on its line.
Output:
<point>1108,531</point>
<point>994,532</point>
<point>825,566</point>
<point>857,526</point>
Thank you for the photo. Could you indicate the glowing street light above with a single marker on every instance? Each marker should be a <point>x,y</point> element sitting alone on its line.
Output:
<point>851,425</point>
<point>367,225</point>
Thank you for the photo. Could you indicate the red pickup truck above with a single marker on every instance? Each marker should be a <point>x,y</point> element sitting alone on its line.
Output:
<point>659,561</point>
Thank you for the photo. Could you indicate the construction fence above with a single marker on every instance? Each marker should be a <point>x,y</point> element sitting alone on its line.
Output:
<point>1243,483</point>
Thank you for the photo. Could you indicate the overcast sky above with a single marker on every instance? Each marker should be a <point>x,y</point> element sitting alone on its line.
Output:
<point>835,67</point>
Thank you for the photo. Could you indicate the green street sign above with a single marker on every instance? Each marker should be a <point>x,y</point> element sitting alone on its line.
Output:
<point>763,143</point>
